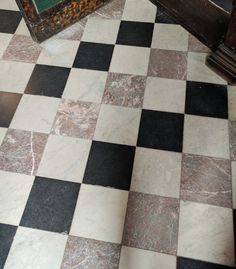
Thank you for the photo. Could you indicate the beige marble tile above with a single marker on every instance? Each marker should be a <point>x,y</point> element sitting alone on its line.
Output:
<point>130,60</point>
<point>233,164</point>
<point>118,125</point>
<point>141,10</point>
<point>134,258</point>
<point>58,52</point>
<point>102,217</point>
<point>23,49</point>
<point>156,172</point>
<point>2,134</point>
<point>170,37</point>
<point>4,42</point>
<point>151,223</point>
<point>206,136</point>
<point>14,193</point>
<point>206,233</point>
<point>85,85</point>
<point>168,64</point>
<point>21,151</point>
<point>21,73</point>
<point>195,45</point>
<point>76,119</point>
<point>165,95</point>
<point>82,253</point>
<point>22,29</point>
<point>101,31</point>
<point>36,249</point>
<point>124,90</point>
<point>35,113</point>
<point>198,71</point>
<point>206,180</point>
<point>64,158</point>
<point>232,139</point>
<point>232,102</point>
<point>8,4</point>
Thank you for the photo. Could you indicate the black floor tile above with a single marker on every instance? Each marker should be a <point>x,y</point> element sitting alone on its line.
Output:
<point>9,21</point>
<point>48,80</point>
<point>110,165</point>
<point>7,233</point>
<point>51,205</point>
<point>185,263</point>
<point>161,130</point>
<point>163,17</point>
<point>135,33</point>
<point>94,56</point>
<point>206,99</point>
<point>8,106</point>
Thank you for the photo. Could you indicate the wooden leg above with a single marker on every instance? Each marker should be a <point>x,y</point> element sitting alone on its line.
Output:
<point>223,59</point>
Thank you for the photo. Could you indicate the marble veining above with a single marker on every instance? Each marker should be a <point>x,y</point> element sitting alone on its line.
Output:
<point>81,253</point>
<point>21,151</point>
<point>76,119</point>
<point>151,223</point>
<point>124,90</point>
<point>23,49</point>
<point>206,180</point>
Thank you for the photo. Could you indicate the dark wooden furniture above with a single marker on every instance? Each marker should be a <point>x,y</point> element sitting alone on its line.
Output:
<point>212,25</point>
<point>43,23</point>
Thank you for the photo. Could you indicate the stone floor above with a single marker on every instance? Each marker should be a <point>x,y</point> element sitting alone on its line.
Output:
<point>118,146</point>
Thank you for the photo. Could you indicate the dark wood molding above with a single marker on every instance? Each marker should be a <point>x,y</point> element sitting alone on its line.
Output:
<point>52,21</point>
<point>223,59</point>
<point>200,17</point>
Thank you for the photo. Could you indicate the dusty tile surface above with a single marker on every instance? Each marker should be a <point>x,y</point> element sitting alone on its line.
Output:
<point>76,119</point>
<point>81,253</point>
<point>21,151</point>
<point>151,223</point>
<point>206,180</point>
<point>124,90</point>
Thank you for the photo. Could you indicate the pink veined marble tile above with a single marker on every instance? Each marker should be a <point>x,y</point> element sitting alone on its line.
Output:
<point>195,45</point>
<point>112,9</point>
<point>76,119</point>
<point>232,135</point>
<point>74,32</point>
<point>22,48</point>
<point>152,223</point>
<point>206,180</point>
<point>124,90</point>
<point>168,64</point>
<point>21,151</point>
<point>81,253</point>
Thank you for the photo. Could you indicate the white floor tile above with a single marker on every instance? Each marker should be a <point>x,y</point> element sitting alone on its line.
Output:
<point>100,213</point>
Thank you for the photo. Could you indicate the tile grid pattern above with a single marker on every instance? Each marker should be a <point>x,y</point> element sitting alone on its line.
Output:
<point>117,147</point>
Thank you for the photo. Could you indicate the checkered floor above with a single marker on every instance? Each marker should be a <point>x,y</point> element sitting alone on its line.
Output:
<point>118,146</point>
